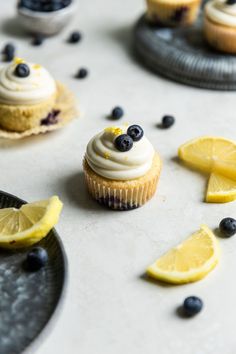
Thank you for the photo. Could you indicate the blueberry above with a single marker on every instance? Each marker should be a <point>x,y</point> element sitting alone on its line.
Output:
<point>9,52</point>
<point>124,142</point>
<point>36,259</point>
<point>75,37</point>
<point>135,132</point>
<point>37,40</point>
<point>228,227</point>
<point>117,113</point>
<point>82,73</point>
<point>167,121</point>
<point>231,2</point>
<point>192,305</point>
<point>22,70</point>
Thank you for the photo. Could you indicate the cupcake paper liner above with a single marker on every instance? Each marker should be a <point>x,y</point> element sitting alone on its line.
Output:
<point>220,37</point>
<point>65,104</point>
<point>173,13</point>
<point>123,195</point>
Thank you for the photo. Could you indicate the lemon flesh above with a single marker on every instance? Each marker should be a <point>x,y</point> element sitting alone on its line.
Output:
<point>190,261</point>
<point>220,189</point>
<point>210,154</point>
<point>29,224</point>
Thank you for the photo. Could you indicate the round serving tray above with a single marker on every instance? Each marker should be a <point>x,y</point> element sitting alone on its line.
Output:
<point>181,54</point>
<point>28,299</point>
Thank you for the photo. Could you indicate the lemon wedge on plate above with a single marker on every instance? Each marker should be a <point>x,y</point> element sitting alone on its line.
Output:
<point>220,189</point>
<point>190,261</point>
<point>210,154</point>
<point>29,224</point>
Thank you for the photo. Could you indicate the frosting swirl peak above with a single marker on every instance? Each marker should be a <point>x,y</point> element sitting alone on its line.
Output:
<point>221,12</point>
<point>33,89</point>
<point>104,159</point>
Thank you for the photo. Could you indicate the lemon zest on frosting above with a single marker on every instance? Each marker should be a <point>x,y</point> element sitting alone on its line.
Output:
<point>37,66</point>
<point>107,155</point>
<point>114,130</point>
<point>18,60</point>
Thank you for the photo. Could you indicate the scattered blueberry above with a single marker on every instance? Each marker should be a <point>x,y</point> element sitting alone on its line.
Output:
<point>82,73</point>
<point>22,70</point>
<point>44,5</point>
<point>75,37</point>
<point>192,305</point>
<point>117,113</point>
<point>124,142</point>
<point>228,227</point>
<point>36,259</point>
<point>37,40</point>
<point>167,121</point>
<point>135,132</point>
<point>9,52</point>
<point>231,2</point>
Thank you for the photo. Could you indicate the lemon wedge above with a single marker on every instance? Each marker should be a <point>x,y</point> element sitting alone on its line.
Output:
<point>220,189</point>
<point>210,154</point>
<point>190,261</point>
<point>29,224</point>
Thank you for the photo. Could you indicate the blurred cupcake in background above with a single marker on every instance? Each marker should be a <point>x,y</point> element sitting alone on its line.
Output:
<point>121,167</point>
<point>220,25</point>
<point>172,13</point>
<point>30,97</point>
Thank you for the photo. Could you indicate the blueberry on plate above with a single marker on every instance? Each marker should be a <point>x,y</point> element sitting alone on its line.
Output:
<point>167,121</point>
<point>82,73</point>
<point>135,132</point>
<point>22,70</point>
<point>192,305</point>
<point>228,227</point>
<point>37,39</point>
<point>36,259</point>
<point>75,37</point>
<point>124,142</point>
<point>9,52</point>
<point>117,113</point>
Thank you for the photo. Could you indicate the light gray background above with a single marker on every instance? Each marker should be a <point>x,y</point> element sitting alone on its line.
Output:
<point>109,307</point>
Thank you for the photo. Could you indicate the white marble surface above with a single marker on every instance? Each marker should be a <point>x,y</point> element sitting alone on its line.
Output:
<point>109,307</point>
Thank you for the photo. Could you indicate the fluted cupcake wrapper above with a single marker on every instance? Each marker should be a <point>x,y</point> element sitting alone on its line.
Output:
<point>172,13</point>
<point>67,110</point>
<point>220,37</point>
<point>129,196</point>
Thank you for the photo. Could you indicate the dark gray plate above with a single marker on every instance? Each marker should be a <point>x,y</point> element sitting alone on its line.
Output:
<point>181,54</point>
<point>28,300</point>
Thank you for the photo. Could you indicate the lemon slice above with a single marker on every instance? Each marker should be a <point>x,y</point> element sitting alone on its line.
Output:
<point>220,189</point>
<point>29,224</point>
<point>190,261</point>
<point>210,154</point>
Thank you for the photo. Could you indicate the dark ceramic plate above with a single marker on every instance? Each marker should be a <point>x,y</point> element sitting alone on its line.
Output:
<point>28,300</point>
<point>181,54</point>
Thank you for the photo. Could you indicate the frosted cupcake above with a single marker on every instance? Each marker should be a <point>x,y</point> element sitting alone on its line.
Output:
<point>28,97</point>
<point>121,167</point>
<point>172,12</point>
<point>220,25</point>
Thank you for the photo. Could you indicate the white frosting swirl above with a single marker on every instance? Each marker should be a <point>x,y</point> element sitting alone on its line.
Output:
<point>35,88</point>
<point>104,159</point>
<point>220,12</point>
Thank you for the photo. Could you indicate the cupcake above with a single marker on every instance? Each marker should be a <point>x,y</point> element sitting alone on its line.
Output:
<point>172,12</point>
<point>220,25</point>
<point>28,97</point>
<point>121,167</point>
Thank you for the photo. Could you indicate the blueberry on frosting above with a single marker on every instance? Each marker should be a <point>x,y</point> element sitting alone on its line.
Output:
<point>22,70</point>
<point>124,143</point>
<point>230,2</point>
<point>135,132</point>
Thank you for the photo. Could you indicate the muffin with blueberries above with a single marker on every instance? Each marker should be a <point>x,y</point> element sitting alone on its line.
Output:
<point>220,25</point>
<point>121,167</point>
<point>172,13</point>
<point>29,97</point>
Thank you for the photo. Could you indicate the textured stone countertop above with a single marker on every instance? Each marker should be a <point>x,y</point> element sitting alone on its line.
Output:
<point>109,307</point>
